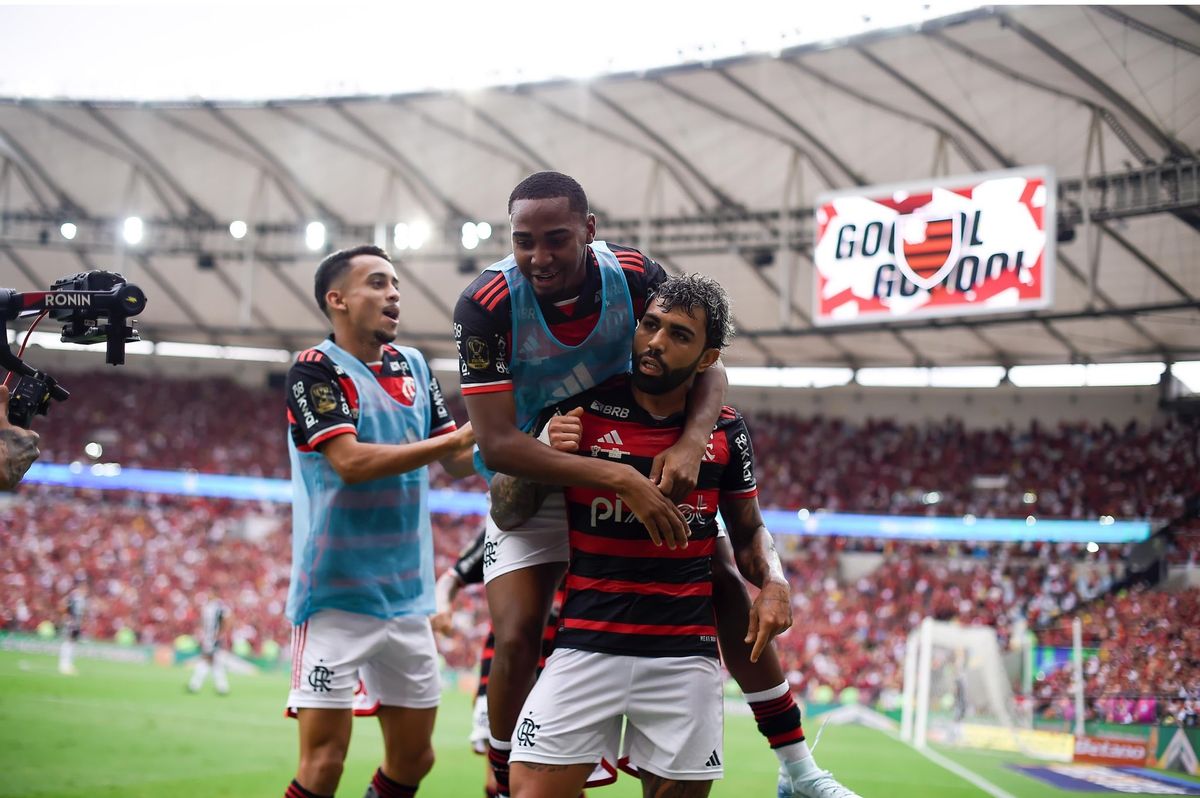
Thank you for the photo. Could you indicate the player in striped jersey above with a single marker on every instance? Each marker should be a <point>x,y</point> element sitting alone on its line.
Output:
<point>637,639</point>
<point>213,618</point>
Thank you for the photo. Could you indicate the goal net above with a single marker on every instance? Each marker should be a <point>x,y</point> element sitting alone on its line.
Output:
<point>958,691</point>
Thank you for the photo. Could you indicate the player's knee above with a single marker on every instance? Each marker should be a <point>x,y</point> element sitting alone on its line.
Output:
<point>410,767</point>
<point>519,634</point>
<point>323,765</point>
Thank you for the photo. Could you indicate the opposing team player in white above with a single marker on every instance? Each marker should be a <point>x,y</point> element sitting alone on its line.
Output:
<point>75,611</point>
<point>214,616</point>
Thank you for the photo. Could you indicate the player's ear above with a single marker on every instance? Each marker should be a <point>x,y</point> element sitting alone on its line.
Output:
<point>335,300</point>
<point>709,357</point>
<point>591,227</point>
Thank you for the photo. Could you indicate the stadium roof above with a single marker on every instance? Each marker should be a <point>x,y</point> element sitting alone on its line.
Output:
<point>692,162</point>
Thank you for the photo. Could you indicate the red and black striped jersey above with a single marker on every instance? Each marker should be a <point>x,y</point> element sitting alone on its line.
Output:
<point>483,317</point>
<point>624,594</point>
<point>331,400</point>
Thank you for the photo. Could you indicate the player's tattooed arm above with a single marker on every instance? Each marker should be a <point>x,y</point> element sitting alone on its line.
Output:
<point>18,447</point>
<point>757,560</point>
<point>515,501</point>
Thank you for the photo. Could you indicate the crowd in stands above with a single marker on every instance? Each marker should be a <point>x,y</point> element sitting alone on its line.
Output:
<point>1081,470</point>
<point>149,560</point>
<point>1142,661</point>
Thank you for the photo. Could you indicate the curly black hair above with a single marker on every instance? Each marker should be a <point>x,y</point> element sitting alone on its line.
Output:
<point>691,291</point>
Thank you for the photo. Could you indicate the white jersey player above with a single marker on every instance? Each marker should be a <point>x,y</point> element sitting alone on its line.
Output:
<point>213,617</point>
<point>76,609</point>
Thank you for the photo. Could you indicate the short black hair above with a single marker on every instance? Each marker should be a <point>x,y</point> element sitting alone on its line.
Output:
<point>549,185</point>
<point>335,265</point>
<point>691,291</point>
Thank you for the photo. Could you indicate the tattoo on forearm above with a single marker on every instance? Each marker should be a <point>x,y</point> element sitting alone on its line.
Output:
<point>18,450</point>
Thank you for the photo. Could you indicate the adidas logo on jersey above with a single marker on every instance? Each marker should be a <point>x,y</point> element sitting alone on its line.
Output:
<point>714,761</point>
<point>612,439</point>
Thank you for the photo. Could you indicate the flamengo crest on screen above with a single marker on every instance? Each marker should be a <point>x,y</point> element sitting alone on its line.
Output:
<point>980,243</point>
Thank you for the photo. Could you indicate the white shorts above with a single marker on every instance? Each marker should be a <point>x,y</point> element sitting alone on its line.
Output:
<point>541,539</point>
<point>672,706</point>
<point>396,659</point>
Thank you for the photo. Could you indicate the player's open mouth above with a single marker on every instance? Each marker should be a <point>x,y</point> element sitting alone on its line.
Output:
<point>392,312</point>
<point>649,365</point>
<point>545,278</point>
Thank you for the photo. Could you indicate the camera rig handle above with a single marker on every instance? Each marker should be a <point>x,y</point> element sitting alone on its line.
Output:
<point>93,306</point>
<point>82,310</point>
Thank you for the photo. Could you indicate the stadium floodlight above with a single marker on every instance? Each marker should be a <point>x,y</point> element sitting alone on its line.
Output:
<point>94,450</point>
<point>469,239</point>
<point>1093,375</point>
<point>1120,374</point>
<point>401,236</point>
<point>1030,497</point>
<point>237,229</point>
<point>1057,376</point>
<point>901,377</point>
<point>966,376</point>
<point>444,364</point>
<point>68,230</point>
<point>932,497</point>
<point>788,377</point>
<point>418,234</point>
<point>1092,547</point>
<point>314,236</point>
<point>483,230</point>
<point>1188,373</point>
<point>132,230</point>
<point>213,352</point>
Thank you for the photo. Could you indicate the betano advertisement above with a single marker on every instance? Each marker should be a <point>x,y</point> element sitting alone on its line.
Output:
<point>980,243</point>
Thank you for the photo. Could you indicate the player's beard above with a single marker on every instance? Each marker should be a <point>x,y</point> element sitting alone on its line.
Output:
<point>666,381</point>
<point>383,337</point>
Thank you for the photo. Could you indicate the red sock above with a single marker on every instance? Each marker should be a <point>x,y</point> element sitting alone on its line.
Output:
<point>294,790</point>
<point>498,759</point>
<point>383,787</point>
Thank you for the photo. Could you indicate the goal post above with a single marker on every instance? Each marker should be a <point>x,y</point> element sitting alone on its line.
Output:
<point>958,691</point>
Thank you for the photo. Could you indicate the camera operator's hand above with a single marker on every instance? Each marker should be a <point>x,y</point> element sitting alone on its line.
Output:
<point>18,447</point>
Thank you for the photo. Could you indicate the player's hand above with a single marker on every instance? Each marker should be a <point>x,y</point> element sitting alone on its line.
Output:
<point>442,622</point>
<point>464,436</point>
<point>770,616</point>
<point>661,517</point>
<point>18,447</point>
<point>676,470</point>
<point>566,431</point>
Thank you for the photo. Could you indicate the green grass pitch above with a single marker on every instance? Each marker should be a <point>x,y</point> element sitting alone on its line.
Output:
<point>128,731</point>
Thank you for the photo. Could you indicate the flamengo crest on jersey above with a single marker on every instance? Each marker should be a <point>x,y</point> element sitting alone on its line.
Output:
<point>365,548</point>
<point>544,370</point>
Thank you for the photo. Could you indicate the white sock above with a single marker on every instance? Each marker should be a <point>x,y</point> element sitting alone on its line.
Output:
<point>199,675</point>
<point>219,679</point>
<point>66,655</point>
<point>797,759</point>
<point>767,695</point>
<point>499,745</point>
